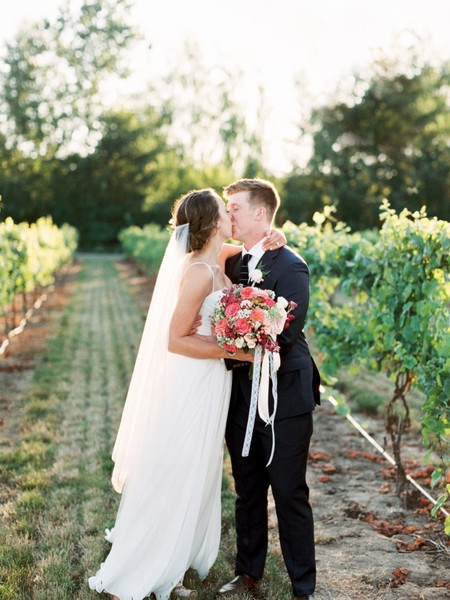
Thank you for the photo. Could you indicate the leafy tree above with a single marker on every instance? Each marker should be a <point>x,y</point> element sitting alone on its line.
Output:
<point>51,99</point>
<point>53,74</point>
<point>107,190</point>
<point>98,170</point>
<point>209,120</point>
<point>389,141</point>
<point>24,184</point>
<point>301,197</point>
<point>173,181</point>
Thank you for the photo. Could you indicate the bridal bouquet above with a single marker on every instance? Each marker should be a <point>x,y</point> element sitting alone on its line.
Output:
<point>250,318</point>
<point>247,317</point>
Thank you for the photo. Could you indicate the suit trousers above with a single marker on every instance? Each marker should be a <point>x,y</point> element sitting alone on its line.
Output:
<point>287,477</point>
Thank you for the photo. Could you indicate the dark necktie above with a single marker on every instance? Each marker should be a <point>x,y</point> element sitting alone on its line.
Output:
<point>243,274</point>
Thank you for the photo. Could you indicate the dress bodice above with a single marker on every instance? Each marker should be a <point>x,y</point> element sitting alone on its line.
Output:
<point>206,310</point>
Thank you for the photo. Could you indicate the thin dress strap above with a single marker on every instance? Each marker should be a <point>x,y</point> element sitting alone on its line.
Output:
<point>203,263</point>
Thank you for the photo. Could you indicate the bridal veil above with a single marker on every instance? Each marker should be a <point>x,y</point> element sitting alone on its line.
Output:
<point>151,373</point>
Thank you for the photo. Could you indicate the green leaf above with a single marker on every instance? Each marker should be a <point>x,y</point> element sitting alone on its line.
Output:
<point>447,525</point>
<point>436,477</point>
<point>439,502</point>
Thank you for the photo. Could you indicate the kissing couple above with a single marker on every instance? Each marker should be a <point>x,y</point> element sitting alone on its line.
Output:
<point>187,393</point>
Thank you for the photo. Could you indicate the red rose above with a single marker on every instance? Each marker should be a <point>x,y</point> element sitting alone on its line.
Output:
<point>229,347</point>
<point>270,302</point>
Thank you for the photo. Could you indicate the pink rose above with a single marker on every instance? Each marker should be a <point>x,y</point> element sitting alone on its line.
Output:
<point>258,293</point>
<point>232,309</point>
<point>241,326</point>
<point>221,326</point>
<point>278,325</point>
<point>258,315</point>
<point>247,292</point>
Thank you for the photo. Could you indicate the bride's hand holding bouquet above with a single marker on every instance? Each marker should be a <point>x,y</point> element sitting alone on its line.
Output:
<point>239,355</point>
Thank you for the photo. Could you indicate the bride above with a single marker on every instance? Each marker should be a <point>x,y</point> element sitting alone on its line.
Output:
<point>168,451</point>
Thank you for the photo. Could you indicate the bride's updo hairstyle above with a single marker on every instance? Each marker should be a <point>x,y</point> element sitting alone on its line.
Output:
<point>199,209</point>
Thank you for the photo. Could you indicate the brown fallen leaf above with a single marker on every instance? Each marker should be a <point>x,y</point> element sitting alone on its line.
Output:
<point>400,576</point>
<point>318,455</point>
<point>329,469</point>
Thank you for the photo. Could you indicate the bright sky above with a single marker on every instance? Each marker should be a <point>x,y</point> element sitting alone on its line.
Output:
<point>274,42</point>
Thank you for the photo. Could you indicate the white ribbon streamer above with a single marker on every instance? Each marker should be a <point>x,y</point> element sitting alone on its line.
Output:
<point>265,367</point>
<point>263,396</point>
<point>253,401</point>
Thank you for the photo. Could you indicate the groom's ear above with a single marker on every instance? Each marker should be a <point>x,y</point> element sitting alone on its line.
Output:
<point>260,213</point>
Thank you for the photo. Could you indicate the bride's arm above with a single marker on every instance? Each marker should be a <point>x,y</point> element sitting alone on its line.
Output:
<point>275,238</point>
<point>196,285</point>
<point>227,251</point>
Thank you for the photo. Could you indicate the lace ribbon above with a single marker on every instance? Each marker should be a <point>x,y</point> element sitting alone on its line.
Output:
<point>265,367</point>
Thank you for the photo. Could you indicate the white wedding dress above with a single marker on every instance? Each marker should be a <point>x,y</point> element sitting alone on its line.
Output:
<point>169,517</point>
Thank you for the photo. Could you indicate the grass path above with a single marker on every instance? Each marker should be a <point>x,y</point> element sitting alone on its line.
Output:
<point>59,495</point>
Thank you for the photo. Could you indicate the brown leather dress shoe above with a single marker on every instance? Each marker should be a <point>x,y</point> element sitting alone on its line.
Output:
<point>241,583</point>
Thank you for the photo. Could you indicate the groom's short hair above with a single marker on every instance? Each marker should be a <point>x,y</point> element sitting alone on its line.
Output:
<point>261,193</point>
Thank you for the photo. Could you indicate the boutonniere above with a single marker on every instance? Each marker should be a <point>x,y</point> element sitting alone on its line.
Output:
<point>257,276</point>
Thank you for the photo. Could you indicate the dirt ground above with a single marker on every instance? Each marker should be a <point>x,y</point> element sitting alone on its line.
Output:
<point>23,353</point>
<point>368,545</point>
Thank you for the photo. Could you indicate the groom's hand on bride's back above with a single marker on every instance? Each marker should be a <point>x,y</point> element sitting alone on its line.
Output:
<point>195,325</point>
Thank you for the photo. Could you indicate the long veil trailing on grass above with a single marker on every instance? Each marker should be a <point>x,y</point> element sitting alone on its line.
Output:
<point>151,371</point>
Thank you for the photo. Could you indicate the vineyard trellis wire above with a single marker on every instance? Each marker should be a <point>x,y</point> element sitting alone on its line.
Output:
<point>341,408</point>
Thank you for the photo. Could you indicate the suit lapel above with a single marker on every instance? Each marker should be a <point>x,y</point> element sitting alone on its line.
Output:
<point>232,267</point>
<point>265,265</point>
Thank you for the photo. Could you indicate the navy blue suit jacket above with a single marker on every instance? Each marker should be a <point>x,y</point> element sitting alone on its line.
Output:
<point>287,274</point>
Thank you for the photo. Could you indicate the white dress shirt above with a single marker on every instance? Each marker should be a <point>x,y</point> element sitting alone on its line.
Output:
<point>256,251</point>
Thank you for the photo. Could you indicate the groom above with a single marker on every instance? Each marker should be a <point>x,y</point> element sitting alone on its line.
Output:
<point>252,204</point>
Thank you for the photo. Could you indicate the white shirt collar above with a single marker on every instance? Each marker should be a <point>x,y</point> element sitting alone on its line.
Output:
<point>256,251</point>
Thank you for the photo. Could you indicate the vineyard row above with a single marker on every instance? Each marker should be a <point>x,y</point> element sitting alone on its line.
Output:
<point>30,256</point>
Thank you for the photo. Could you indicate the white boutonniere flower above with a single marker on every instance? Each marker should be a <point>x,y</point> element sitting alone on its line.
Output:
<point>256,276</point>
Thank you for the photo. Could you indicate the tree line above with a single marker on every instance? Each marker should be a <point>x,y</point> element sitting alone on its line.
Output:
<point>100,166</point>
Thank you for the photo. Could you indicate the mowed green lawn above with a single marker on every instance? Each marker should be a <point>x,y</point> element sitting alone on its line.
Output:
<point>57,494</point>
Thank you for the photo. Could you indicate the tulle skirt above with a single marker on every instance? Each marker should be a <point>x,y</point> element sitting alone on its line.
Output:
<point>169,518</point>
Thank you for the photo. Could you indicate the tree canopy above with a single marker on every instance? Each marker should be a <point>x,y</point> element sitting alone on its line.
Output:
<point>101,166</point>
<point>390,140</point>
